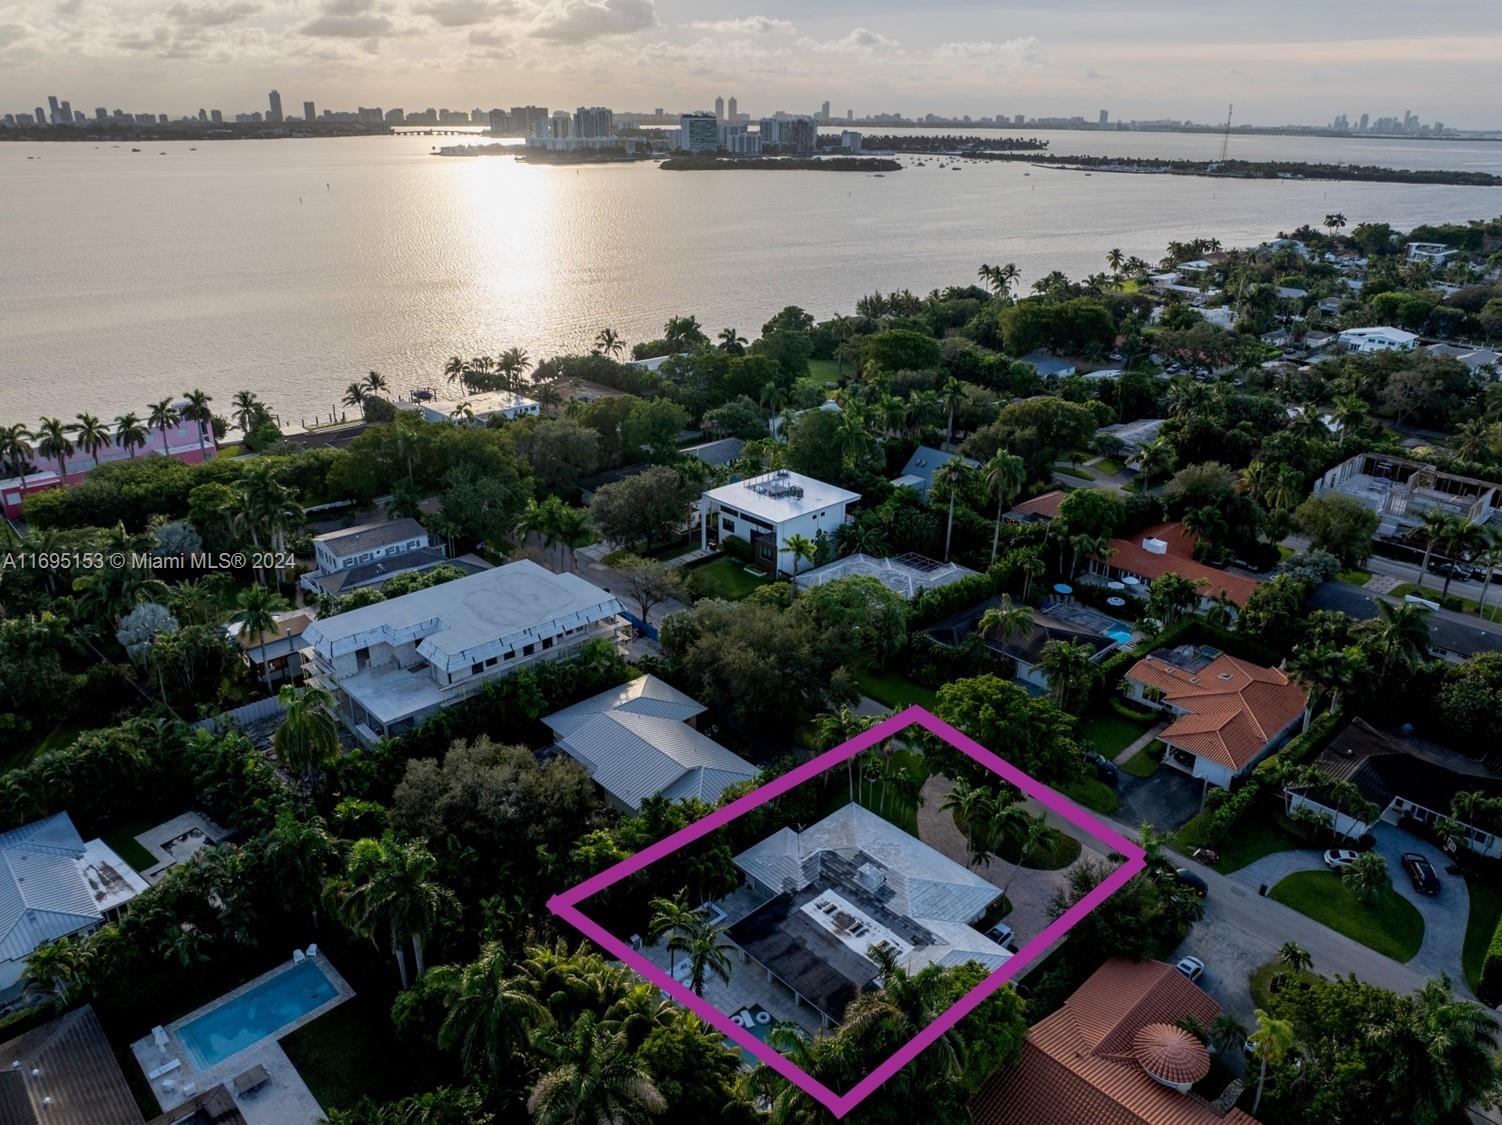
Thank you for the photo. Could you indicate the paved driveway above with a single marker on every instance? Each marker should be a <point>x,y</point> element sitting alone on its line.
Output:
<point>1168,800</point>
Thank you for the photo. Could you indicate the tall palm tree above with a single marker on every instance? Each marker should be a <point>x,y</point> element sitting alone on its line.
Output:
<point>1295,956</point>
<point>130,434</point>
<point>388,889</point>
<point>1035,832</point>
<point>953,393</point>
<point>608,342</point>
<point>952,474</point>
<point>1459,540</point>
<point>1272,1039</point>
<point>1005,621</point>
<point>1004,474</point>
<point>594,1077</point>
<point>573,529</point>
<point>457,371</point>
<point>1069,668</point>
<point>803,549</point>
<point>163,416</point>
<point>1367,876</point>
<point>308,738</point>
<point>707,952</point>
<point>489,1012</point>
<point>54,439</point>
<point>355,395</point>
<point>55,970</point>
<point>197,410</point>
<point>1431,530</point>
<point>245,408</point>
<point>255,613</point>
<point>92,435</point>
<point>375,382</point>
<point>1115,259</point>
<point>15,451</point>
<point>674,919</point>
<point>731,342</point>
<point>1490,557</point>
<point>301,852</point>
<point>1399,635</point>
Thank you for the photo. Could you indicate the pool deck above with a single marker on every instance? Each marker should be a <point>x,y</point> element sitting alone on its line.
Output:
<point>283,1100</point>
<point>165,847</point>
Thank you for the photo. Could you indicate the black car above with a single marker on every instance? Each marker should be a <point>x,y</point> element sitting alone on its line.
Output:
<point>1193,882</point>
<point>1421,873</point>
<point>1105,769</point>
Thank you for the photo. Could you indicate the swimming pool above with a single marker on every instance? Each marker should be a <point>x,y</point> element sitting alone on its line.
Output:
<point>758,1021</point>
<point>1119,634</point>
<point>255,1014</point>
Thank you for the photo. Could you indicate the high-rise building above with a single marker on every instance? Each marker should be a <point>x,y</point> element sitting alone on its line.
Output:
<point>498,121</point>
<point>101,114</point>
<point>1019,119</point>
<point>65,113</point>
<point>309,111</point>
<point>1104,117</point>
<point>561,125</point>
<point>1366,120</point>
<point>41,115</point>
<point>594,121</point>
<point>216,116</point>
<point>850,115</point>
<point>798,136</point>
<point>698,132</point>
<point>275,113</point>
<point>52,110</point>
<point>733,112</point>
<point>719,109</point>
<point>824,112</point>
<point>395,116</point>
<point>524,117</point>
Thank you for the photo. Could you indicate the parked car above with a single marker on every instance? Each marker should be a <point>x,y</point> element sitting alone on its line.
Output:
<point>1003,936</point>
<point>1191,967</point>
<point>1192,881</point>
<point>1421,873</point>
<point>1105,769</point>
<point>1336,858</point>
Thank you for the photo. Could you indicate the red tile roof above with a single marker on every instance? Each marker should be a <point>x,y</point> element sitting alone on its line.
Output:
<point>1045,505</point>
<point>1079,1066</point>
<point>1232,709</point>
<point>1133,558</point>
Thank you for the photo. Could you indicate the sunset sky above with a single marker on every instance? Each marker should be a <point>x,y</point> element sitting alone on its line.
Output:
<point>1278,60</point>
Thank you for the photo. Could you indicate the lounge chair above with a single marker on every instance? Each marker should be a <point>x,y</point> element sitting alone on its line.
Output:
<point>313,951</point>
<point>159,1036</point>
<point>166,1068</point>
<point>252,1079</point>
<point>297,955</point>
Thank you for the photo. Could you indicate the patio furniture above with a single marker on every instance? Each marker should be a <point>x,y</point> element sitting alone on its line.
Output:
<point>166,1068</point>
<point>1114,585</point>
<point>252,1079</point>
<point>1113,600</point>
<point>159,1036</point>
<point>297,955</point>
<point>313,950</point>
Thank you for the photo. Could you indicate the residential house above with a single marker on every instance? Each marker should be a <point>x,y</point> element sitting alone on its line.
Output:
<point>638,741</point>
<point>1114,1053</point>
<point>1049,365</point>
<point>1069,623</point>
<point>1453,637</point>
<point>370,554</point>
<point>1431,253</point>
<point>277,654</point>
<point>845,886</point>
<point>1134,435</point>
<point>479,409</point>
<point>1040,509</point>
<point>923,466</point>
<point>1403,776</point>
<point>52,885</point>
<point>64,1072</point>
<point>1228,714</point>
<point>1480,361</point>
<point>1384,339</point>
<point>395,663</point>
<point>908,575</point>
<point>1400,491</point>
<point>768,510</point>
<point>716,454</point>
<point>1167,548</point>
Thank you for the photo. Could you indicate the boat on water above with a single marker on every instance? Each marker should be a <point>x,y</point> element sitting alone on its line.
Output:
<point>135,150</point>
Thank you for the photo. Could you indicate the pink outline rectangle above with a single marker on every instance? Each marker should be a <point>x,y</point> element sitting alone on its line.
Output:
<point>566,905</point>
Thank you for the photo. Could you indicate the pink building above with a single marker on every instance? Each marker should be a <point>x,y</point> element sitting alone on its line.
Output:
<point>186,441</point>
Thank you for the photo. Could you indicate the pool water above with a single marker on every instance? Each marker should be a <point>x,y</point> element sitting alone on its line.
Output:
<point>758,1021</point>
<point>255,1014</point>
<point>1119,635</point>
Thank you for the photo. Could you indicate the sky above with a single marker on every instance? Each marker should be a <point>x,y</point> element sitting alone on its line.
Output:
<point>1279,61</point>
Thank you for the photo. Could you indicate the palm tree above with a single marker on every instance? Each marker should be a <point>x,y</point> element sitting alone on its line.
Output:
<point>952,474</point>
<point>1399,634</point>
<point>15,451</point>
<point>1005,621</point>
<point>457,371</point>
<point>163,416</point>
<point>1005,474</point>
<point>1033,834</point>
<point>707,953</point>
<point>1335,222</point>
<point>489,1012</point>
<point>674,918</point>
<point>953,393</point>
<point>54,440</point>
<point>197,410</point>
<point>1155,460</point>
<point>1271,1040</point>
<point>92,434</point>
<point>375,382</point>
<point>1366,877</point>
<point>1460,539</point>
<point>308,738</point>
<point>1432,531</point>
<point>1069,668</point>
<point>1295,956</point>
<point>1491,558</point>
<point>257,607</point>
<point>731,342</point>
<point>1115,259</point>
<point>573,529</point>
<point>608,342</point>
<point>55,970</point>
<point>246,407</point>
<point>802,549</point>
<point>130,434</point>
<point>301,852</point>
<point>387,888</point>
<point>355,395</point>
<point>595,1077</point>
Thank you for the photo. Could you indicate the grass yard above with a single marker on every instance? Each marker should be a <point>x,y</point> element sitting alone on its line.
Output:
<point>1112,733</point>
<point>58,738</point>
<point>349,1053</point>
<point>896,691</point>
<point>1453,601</point>
<point>724,578</point>
<point>1274,977</point>
<point>1146,761</point>
<point>886,802</point>
<point>1055,851</point>
<point>1259,834</point>
<point>824,371</point>
<point>1108,465</point>
<point>1390,924</point>
<point>1486,911</point>
<point>121,838</point>
<point>671,551</point>
<point>1079,472</point>
<point>1093,794</point>
<point>1355,576</point>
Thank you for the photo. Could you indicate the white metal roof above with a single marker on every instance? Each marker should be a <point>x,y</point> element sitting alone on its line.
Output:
<point>775,497</point>
<point>645,695</point>
<point>634,756</point>
<point>469,619</point>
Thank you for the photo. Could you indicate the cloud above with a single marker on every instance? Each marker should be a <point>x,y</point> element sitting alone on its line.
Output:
<point>348,19</point>
<point>861,39</point>
<point>1016,52</point>
<point>577,21</point>
<point>756,25</point>
<point>211,15</point>
<point>488,43</point>
<point>1096,76</point>
<point>463,13</point>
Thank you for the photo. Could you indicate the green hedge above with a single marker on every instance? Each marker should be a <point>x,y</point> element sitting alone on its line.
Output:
<point>1490,988</point>
<point>1135,714</point>
<point>1224,811</point>
<point>736,548</point>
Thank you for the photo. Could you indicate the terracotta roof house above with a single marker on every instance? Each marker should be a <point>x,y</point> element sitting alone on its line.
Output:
<point>1228,713</point>
<point>1168,548</point>
<point>1039,509</point>
<point>1112,1055</point>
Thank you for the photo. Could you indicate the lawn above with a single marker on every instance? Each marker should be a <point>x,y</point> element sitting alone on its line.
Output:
<point>1355,576</point>
<point>895,690</point>
<point>1262,986</point>
<point>875,795</point>
<point>1390,924</point>
<point>1055,851</point>
<point>121,838</point>
<point>1486,911</point>
<point>1093,794</point>
<point>1112,733</point>
<point>824,371</point>
<point>670,551</point>
<point>1108,466</point>
<point>58,738</point>
<point>1452,601</point>
<point>1260,833</point>
<point>724,578</point>
<point>1146,761</point>
<point>1079,472</point>
<point>349,1053</point>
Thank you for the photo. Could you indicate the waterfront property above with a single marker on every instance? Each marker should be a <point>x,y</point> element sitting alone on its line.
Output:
<point>1401,491</point>
<point>852,883</point>
<point>923,467</point>
<point>1228,714</point>
<point>1114,1053</point>
<point>1404,777</point>
<point>479,409</point>
<point>370,554</point>
<point>1167,548</point>
<point>908,575</point>
<point>1384,339</point>
<point>1055,622</point>
<point>395,663</point>
<point>638,741</point>
<point>768,510</point>
<point>54,885</point>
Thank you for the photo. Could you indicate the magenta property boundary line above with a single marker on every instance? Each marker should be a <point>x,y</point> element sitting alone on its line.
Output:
<point>566,905</point>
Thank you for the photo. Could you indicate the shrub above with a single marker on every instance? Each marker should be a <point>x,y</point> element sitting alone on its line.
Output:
<point>1127,711</point>
<point>737,549</point>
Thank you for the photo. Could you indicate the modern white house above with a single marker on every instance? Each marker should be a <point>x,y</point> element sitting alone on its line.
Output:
<point>481,408</point>
<point>638,741</point>
<point>768,510</point>
<point>393,664</point>
<point>53,884</point>
<point>1384,339</point>
<point>1433,253</point>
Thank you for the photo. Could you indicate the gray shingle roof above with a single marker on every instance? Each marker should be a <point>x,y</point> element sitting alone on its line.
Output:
<point>368,536</point>
<point>926,461</point>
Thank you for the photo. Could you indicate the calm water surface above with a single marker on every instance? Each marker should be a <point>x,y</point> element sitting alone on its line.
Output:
<point>292,267</point>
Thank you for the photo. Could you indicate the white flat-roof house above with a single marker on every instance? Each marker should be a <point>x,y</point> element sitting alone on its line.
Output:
<point>1435,253</point>
<point>768,510</point>
<point>1384,339</point>
<point>52,884</point>
<point>393,664</point>
<point>481,408</point>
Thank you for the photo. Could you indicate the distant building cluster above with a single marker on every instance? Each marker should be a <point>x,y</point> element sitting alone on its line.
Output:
<point>1409,125</point>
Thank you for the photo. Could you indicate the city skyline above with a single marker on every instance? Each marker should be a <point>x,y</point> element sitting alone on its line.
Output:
<point>1181,60</point>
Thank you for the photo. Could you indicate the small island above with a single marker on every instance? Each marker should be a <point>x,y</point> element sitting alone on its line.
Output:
<point>1253,169</point>
<point>784,163</point>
